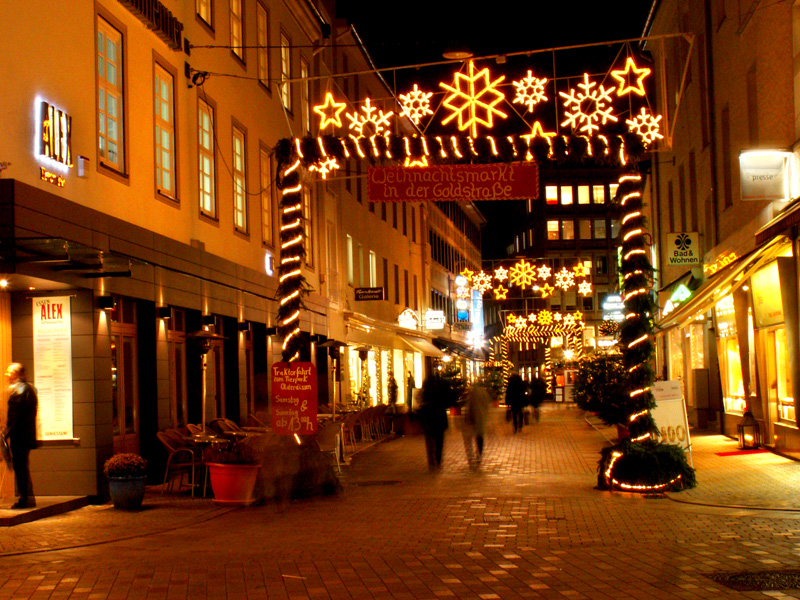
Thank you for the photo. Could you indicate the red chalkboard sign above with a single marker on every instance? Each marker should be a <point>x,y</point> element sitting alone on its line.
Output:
<point>294,398</point>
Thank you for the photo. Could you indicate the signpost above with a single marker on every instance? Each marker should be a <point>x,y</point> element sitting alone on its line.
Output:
<point>294,398</point>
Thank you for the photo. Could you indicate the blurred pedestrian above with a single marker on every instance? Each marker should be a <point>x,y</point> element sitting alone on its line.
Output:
<point>20,431</point>
<point>516,399</point>
<point>391,389</point>
<point>476,413</point>
<point>538,391</point>
<point>436,398</point>
<point>411,385</point>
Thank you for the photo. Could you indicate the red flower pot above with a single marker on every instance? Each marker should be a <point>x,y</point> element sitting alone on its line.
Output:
<point>233,484</point>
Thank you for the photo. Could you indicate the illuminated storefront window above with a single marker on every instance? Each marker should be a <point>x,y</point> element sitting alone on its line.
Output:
<point>730,363</point>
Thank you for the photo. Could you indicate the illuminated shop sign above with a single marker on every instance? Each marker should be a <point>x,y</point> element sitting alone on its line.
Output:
<point>408,319</point>
<point>55,134</point>
<point>434,319</point>
<point>158,18</point>
<point>765,175</point>
<point>678,297</point>
<point>683,249</point>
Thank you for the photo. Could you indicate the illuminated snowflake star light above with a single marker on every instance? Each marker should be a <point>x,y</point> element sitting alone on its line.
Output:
<point>584,288</point>
<point>522,274</point>
<point>646,126</point>
<point>547,290</point>
<point>565,279</point>
<point>500,293</point>
<point>378,121</point>
<point>325,166</point>
<point>544,272</point>
<point>501,274</point>
<point>622,76</point>
<point>482,282</point>
<point>545,317</point>
<point>581,270</point>
<point>530,91</point>
<point>588,107</point>
<point>416,104</point>
<point>330,112</point>
<point>473,98</point>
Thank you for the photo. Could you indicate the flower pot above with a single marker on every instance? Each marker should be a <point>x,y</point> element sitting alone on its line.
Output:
<point>127,492</point>
<point>233,484</point>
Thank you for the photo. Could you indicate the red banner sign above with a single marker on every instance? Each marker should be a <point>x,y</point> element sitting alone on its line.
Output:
<point>453,182</point>
<point>294,398</point>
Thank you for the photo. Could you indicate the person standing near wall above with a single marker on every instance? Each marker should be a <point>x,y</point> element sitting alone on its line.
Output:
<point>20,431</point>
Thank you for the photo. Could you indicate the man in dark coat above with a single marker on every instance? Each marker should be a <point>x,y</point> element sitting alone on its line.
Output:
<point>437,397</point>
<point>515,398</point>
<point>20,430</point>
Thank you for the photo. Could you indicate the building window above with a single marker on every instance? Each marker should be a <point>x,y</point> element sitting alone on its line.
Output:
<point>262,54</point>
<point>385,279</point>
<point>205,150</point>
<point>566,194</point>
<point>265,169</point>
<point>413,224</point>
<point>405,286</point>
<point>551,194</point>
<point>599,229</point>
<point>405,219</point>
<point>373,269</point>
<point>599,194</point>
<point>286,71</point>
<point>110,109</point>
<point>614,229</point>
<point>587,303</point>
<point>350,268</point>
<point>360,265</point>
<point>204,10</point>
<point>394,215</point>
<point>396,284</point>
<point>165,132</point>
<point>383,211</point>
<point>305,104</point>
<point>308,224</point>
<point>553,230</point>
<point>612,190</point>
<point>585,229</point>
<point>416,291</point>
<point>568,230</point>
<point>239,181</point>
<point>237,29</point>
<point>583,194</point>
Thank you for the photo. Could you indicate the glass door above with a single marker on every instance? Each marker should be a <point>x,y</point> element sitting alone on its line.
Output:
<point>124,390</point>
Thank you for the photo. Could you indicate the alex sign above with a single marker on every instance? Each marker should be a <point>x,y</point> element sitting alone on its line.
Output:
<point>683,249</point>
<point>294,398</point>
<point>453,182</point>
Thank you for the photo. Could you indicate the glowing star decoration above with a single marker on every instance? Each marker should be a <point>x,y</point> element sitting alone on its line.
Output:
<point>482,282</point>
<point>537,131</point>
<point>379,121</point>
<point>545,317</point>
<point>416,104</point>
<point>468,274</point>
<point>565,279</point>
<point>588,107</point>
<point>500,293</point>
<point>522,274</point>
<point>325,166</point>
<point>547,290</point>
<point>578,316</point>
<point>501,274</point>
<point>624,77</point>
<point>473,98</point>
<point>530,91</point>
<point>584,288</point>
<point>646,126</point>
<point>330,111</point>
<point>544,272</point>
<point>581,270</point>
<point>532,318</point>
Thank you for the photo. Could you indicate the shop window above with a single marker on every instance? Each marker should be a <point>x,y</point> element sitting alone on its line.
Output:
<point>779,384</point>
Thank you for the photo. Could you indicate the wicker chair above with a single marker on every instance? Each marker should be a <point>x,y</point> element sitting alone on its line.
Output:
<point>181,460</point>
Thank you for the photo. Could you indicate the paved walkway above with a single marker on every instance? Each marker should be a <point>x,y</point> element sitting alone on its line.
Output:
<point>525,523</point>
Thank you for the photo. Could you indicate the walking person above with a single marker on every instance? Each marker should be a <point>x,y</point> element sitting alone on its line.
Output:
<point>411,385</point>
<point>20,431</point>
<point>475,417</point>
<point>538,391</point>
<point>437,397</point>
<point>515,398</point>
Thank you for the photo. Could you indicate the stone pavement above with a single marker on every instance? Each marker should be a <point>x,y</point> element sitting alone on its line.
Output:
<point>525,523</point>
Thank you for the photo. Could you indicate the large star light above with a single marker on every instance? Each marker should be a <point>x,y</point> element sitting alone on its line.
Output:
<point>473,98</point>
<point>530,91</point>
<point>646,126</point>
<point>581,270</point>
<point>330,111</point>
<point>500,293</point>
<point>623,77</point>
<point>588,107</point>
<point>416,104</point>
<point>378,121</point>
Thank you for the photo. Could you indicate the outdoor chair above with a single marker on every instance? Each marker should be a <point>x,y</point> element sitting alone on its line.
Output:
<point>181,460</point>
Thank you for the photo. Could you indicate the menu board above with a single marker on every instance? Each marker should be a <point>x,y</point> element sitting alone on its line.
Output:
<point>52,359</point>
<point>294,398</point>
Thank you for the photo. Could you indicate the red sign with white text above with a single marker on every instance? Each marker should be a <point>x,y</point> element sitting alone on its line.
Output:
<point>294,398</point>
<point>500,181</point>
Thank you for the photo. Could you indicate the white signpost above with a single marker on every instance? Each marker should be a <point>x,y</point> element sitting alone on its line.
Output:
<point>670,415</point>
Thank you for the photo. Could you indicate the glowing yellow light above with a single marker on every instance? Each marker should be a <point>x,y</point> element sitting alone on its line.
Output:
<point>588,107</point>
<point>522,274</point>
<point>544,271</point>
<point>410,162</point>
<point>631,233</point>
<point>494,146</point>
<point>289,298</point>
<point>468,274</point>
<point>425,146</point>
<point>290,259</point>
<point>442,152</point>
<point>644,436</point>
<point>633,253</point>
<point>467,103</point>
<point>500,293</point>
<point>581,269</point>
<point>455,146</point>
<point>584,288</point>
<point>646,126</point>
<point>375,150</point>
<point>292,242</point>
<point>321,146</point>
<point>547,290</point>
<point>633,273</point>
<point>291,225</point>
<point>545,317</point>
<point>530,91</point>
<point>627,197</point>
<point>290,209</point>
<point>639,392</point>
<point>291,318</point>
<point>379,121</point>
<point>356,141</point>
<point>325,166</point>
<point>482,282</point>
<point>645,488</point>
<point>565,279</point>
<point>289,336</point>
<point>286,276</point>
<point>630,216</point>
<point>292,190</point>
<point>537,131</point>
<point>416,104</point>
<point>472,146</point>
<point>638,341</point>
<point>501,274</point>
<point>297,147</point>
<point>330,111</point>
<point>623,76</point>
<point>630,178</point>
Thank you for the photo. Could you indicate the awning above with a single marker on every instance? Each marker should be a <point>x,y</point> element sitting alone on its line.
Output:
<point>722,283</point>
<point>460,349</point>
<point>421,345</point>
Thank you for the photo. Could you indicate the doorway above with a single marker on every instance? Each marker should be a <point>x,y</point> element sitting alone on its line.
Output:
<point>124,376</point>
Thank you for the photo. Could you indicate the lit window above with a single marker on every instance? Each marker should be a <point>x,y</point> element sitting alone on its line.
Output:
<point>568,230</point>
<point>286,71</point>
<point>305,108</point>
<point>237,31</point>
<point>262,27</point>
<point>583,194</point>
<point>239,181</point>
<point>110,119</point>
<point>205,151</point>
<point>308,214</point>
<point>203,8</point>
<point>165,133</point>
<point>599,229</point>
<point>265,167</point>
<point>553,230</point>
<point>599,194</point>
<point>612,190</point>
<point>373,269</point>
<point>566,194</point>
<point>551,194</point>
<point>614,229</point>
<point>350,269</point>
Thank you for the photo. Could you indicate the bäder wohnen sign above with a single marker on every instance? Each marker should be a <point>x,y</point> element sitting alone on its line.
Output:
<point>453,182</point>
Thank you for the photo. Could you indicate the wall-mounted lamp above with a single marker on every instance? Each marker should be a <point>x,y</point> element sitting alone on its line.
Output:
<point>164,312</point>
<point>105,302</point>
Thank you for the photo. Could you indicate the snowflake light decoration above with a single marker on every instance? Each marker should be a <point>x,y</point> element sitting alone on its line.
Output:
<point>501,274</point>
<point>330,111</point>
<point>569,319</point>
<point>482,282</point>
<point>588,107</point>
<point>522,274</point>
<point>646,126</point>
<point>473,98</point>
<point>545,317</point>
<point>565,279</point>
<point>325,166</point>
<point>581,270</point>
<point>530,91</point>
<point>416,104</point>
<point>544,272</point>
<point>622,76</point>
<point>500,293</point>
<point>557,317</point>
<point>584,288</point>
<point>378,121</point>
<point>547,290</point>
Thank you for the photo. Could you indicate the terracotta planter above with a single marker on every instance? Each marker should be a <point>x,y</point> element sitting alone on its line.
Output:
<point>127,492</point>
<point>233,484</point>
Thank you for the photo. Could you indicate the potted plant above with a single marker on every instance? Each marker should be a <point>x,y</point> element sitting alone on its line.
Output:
<point>127,475</point>
<point>233,468</point>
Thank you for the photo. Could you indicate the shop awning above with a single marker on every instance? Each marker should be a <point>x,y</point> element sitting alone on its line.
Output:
<point>725,281</point>
<point>460,349</point>
<point>421,345</point>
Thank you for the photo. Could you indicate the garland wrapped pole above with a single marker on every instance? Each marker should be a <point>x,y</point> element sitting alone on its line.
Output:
<point>639,463</point>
